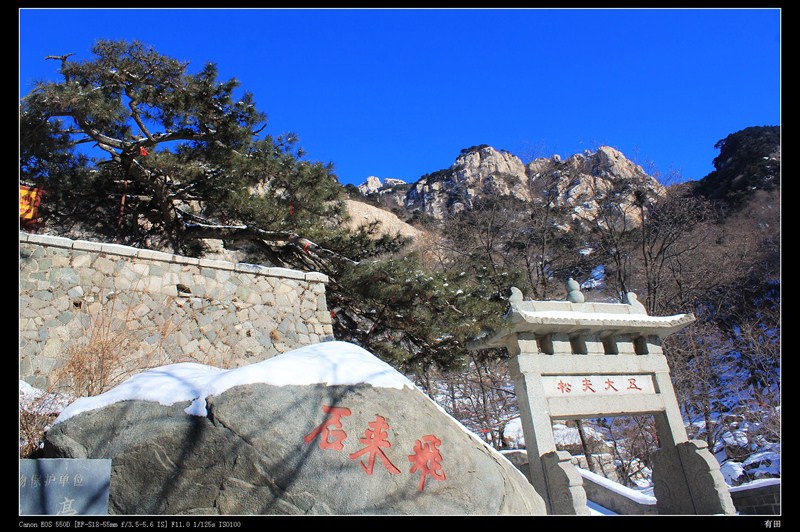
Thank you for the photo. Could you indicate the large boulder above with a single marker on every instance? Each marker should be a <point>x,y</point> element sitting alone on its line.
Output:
<point>326,429</point>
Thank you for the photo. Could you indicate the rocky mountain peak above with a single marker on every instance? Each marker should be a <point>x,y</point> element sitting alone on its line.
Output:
<point>583,178</point>
<point>477,171</point>
<point>390,193</point>
<point>370,186</point>
<point>373,185</point>
<point>606,162</point>
<point>484,170</point>
<point>477,165</point>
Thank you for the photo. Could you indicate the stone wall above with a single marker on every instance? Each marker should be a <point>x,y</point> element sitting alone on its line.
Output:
<point>147,308</point>
<point>762,497</point>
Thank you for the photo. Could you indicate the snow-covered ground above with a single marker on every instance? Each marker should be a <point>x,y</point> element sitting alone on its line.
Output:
<point>30,398</point>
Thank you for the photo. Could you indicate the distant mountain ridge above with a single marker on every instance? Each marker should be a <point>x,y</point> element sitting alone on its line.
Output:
<point>482,171</point>
<point>749,160</point>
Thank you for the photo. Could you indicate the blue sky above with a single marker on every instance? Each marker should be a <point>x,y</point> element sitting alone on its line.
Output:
<point>398,93</point>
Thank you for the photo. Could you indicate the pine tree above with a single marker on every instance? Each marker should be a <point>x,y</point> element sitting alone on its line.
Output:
<point>133,148</point>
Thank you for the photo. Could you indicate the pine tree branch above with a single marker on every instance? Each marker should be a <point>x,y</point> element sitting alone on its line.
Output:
<point>132,105</point>
<point>300,247</point>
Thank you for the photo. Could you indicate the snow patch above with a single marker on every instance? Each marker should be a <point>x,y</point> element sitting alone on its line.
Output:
<point>731,471</point>
<point>39,402</point>
<point>513,435</point>
<point>625,491</point>
<point>756,484</point>
<point>331,363</point>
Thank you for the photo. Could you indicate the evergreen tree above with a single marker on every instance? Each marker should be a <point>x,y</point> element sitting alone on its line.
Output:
<point>133,148</point>
<point>748,160</point>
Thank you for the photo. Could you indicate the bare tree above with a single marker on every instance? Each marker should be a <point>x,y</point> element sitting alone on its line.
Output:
<point>481,395</point>
<point>665,223</point>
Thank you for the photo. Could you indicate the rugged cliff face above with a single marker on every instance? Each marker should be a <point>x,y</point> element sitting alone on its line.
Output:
<point>476,172</point>
<point>584,180</point>
<point>578,182</point>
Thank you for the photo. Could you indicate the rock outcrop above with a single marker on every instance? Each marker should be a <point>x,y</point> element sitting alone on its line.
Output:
<point>389,194</point>
<point>364,214</point>
<point>481,171</point>
<point>300,433</point>
<point>370,186</point>
<point>582,180</point>
<point>476,172</point>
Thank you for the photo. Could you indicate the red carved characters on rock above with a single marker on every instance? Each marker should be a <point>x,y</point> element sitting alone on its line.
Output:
<point>334,418</point>
<point>427,459</point>
<point>374,438</point>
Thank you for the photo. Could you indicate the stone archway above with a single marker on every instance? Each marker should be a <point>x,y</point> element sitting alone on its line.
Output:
<point>574,359</point>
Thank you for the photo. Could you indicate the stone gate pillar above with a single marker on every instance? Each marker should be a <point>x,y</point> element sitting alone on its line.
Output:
<point>575,360</point>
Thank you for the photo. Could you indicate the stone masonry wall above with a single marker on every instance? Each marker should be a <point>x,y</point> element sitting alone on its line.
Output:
<point>148,308</point>
<point>761,499</point>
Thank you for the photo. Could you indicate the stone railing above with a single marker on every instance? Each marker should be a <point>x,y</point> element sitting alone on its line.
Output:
<point>149,308</point>
<point>761,497</point>
<point>616,497</point>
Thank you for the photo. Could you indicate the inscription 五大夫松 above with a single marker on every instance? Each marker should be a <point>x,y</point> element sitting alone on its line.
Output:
<point>570,385</point>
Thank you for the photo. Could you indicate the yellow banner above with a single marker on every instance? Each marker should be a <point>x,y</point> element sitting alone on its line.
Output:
<point>29,199</point>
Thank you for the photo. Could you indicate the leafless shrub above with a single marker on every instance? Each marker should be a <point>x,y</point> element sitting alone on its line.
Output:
<point>115,345</point>
<point>37,411</point>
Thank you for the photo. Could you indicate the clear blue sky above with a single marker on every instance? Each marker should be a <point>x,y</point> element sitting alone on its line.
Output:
<point>398,93</point>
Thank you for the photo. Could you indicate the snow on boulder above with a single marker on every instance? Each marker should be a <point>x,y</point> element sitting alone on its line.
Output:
<point>325,429</point>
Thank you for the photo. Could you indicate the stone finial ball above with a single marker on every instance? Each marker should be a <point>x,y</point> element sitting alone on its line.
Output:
<point>574,294</point>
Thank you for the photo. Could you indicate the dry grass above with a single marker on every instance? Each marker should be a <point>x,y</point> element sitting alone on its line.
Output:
<point>111,350</point>
<point>37,411</point>
<point>114,346</point>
